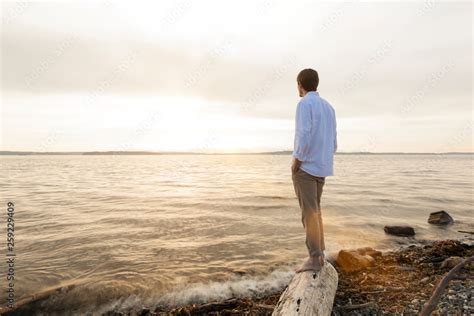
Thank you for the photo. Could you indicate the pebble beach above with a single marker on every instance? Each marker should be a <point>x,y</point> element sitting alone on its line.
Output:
<point>399,283</point>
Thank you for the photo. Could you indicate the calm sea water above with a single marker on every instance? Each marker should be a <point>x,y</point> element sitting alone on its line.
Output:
<point>133,231</point>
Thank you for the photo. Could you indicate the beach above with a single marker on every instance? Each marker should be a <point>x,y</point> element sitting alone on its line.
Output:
<point>124,233</point>
<point>159,157</point>
<point>399,284</point>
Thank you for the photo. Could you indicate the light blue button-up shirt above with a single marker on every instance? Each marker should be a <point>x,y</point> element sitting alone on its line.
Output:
<point>315,135</point>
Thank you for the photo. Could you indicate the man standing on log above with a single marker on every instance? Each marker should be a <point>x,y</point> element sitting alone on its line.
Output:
<point>314,146</point>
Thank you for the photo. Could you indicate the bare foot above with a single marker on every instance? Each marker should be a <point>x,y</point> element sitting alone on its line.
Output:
<point>321,260</point>
<point>312,264</point>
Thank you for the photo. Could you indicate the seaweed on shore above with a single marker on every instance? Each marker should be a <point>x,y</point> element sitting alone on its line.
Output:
<point>399,283</point>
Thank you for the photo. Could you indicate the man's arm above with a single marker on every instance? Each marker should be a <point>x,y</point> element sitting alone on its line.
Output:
<point>295,165</point>
<point>335,133</point>
<point>302,133</point>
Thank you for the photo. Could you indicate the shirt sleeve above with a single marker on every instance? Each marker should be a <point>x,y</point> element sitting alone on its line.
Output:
<point>335,134</point>
<point>302,131</point>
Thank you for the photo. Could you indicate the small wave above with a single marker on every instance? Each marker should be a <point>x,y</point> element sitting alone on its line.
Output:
<point>273,197</point>
<point>434,199</point>
<point>197,293</point>
<point>240,287</point>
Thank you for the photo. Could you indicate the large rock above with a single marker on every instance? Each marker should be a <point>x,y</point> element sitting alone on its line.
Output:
<point>399,230</point>
<point>354,260</point>
<point>440,218</point>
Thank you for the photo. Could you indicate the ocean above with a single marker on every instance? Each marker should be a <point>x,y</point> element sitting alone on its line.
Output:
<point>138,231</point>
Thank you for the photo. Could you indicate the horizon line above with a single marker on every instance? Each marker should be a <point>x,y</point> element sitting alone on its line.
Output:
<point>144,152</point>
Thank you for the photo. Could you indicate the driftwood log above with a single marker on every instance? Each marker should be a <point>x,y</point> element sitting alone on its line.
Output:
<point>23,302</point>
<point>309,293</point>
<point>430,306</point>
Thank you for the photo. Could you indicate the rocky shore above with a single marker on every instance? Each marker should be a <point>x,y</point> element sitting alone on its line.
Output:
<point>396,282</point>
<point>371,282</point>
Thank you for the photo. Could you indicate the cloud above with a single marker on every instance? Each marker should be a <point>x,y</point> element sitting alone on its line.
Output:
<point>404,60</point>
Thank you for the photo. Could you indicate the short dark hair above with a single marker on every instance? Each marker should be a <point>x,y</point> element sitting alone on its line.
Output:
<point>309,79</point>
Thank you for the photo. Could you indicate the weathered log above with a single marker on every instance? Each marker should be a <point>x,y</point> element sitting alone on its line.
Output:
<point>309,293</point>
<point>25,301</point>
<point>430,306</point>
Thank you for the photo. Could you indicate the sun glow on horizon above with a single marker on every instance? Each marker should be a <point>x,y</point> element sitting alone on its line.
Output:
<point>153,123</point>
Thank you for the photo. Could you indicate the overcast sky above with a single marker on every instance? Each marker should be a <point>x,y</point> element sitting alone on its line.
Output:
<point>221,76</point>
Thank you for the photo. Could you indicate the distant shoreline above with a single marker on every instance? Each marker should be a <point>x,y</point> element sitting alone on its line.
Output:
<point>136,153</point>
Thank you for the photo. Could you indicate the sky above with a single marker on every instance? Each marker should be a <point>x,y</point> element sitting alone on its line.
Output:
<point>220,76</point>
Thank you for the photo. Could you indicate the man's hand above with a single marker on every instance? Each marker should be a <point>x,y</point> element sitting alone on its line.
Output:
<point>295,165</point>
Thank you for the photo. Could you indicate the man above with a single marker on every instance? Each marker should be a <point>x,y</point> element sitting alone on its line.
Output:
<point>314,146</point>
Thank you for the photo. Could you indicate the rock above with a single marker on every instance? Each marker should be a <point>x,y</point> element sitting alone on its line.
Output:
<point>436,259</point>
<point>440,218</point>
<point>451,262</point>
<point>407,268</point>
<point>425,280</point>
<point>399,230</point>
<point>352,260</point>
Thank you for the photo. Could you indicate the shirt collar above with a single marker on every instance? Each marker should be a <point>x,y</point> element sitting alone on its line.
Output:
<point>313,92</point>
